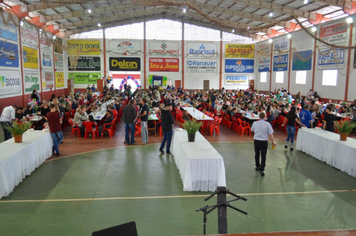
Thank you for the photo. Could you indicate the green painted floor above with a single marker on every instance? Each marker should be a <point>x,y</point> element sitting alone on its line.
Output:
<point>84,193</point>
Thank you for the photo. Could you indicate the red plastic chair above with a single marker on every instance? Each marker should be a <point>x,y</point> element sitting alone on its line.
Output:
<point>215,127</point>
<point>76,129</point>
<point>244,126</point>
<point>138,127</point>
<point>89,129</point>
<point>228,121</point>
<point>109,127</point>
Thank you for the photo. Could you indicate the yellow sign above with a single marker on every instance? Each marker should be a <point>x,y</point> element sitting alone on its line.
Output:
<point>83,47</point>
<point>30,58</point>
<point>59,79</point>
<point>240,50</point>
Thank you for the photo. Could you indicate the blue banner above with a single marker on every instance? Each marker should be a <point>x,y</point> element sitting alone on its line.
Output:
<point>239,66</point>
<point>280,63</point>
<point>9,55</point>
<point>7,31</point>
<point>331,59</point>
<point>302,65</point>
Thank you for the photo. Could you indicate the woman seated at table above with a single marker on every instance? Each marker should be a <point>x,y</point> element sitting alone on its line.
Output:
<point>91,119</point>
<point>186,116</point>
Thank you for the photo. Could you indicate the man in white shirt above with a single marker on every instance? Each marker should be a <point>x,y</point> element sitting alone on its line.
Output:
<point>310,94</point>
<point>263,130</point>
<point>7,115</point>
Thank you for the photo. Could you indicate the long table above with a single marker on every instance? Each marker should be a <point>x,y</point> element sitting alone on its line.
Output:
<point>17,160</point>
<point>327,147</point>
<point>196,114</point>
<point>200,166</point>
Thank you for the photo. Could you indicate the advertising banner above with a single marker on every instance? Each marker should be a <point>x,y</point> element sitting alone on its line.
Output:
<point>240,50</point>
<point>281,44</point>
<point>164,64</point>
<point>236,79</point>
<point>264,49</point>
<point>30,57</point>
<point>10,82</point>
<point>204,49</point>
<point>32,81</point>
<point>84,78</point>
<point>126,48</point>
<point>334,34</point>
<point>58,61</point>
<point>202,65</point>
<point>83,47</point>
<point>280,63</point>
<point>84,63</point>
<point>47,80</point>
<point>264,64</point>
<point>304,61</point>
<point>59,79</point>
<point>9,54</point>
<point>8,31</point>
<point>239,66</point>
<point>29,37</point>
<point>47,59</point>
<point>125,64</point>
<point>58,45</point>
<point>164,48</point>
<point>46,43</point>
<point>331,59</point>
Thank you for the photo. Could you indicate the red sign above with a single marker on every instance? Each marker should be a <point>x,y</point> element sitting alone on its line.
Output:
<point>333,29</point>
<point>164,64</point>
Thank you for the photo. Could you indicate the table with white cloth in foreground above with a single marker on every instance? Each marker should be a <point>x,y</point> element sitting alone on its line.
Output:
<point>200,166</point>
<point>196,114</point>
<point>17,160</point>
<point>327,147</point>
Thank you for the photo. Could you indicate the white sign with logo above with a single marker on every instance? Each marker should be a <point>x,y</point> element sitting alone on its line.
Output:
<point>204,49</point>
<point>10,83</point>
<point>29,37</point>
<point>163,48</point>
<point>202,65</point>
<point>264,49</point>
<point>47,80</point>
<point>281,44</point>
<point>58,59</point>
<point>47,59</point>
<point>128,48</point>
<point>236,79</point>
<point>46,41</point>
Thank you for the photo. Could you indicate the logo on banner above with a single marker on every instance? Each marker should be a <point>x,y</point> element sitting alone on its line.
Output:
<point>202,50</point>
<point>280,63</point>
<point>125,64</point>
<point>239,66</point>
<point>240,50</point>
<point>88,47</point>
<point>2,80</point>
<point>236,79</point>
<point>201,65</point>
<point>331,59</point>
<point>10,82</point>
<point>164,64</point>
<point>164,46</point>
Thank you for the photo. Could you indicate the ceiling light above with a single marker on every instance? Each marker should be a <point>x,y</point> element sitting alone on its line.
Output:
<point>89,11</point>
<point>99,25</point>
<point>349,20</point>
<point>54,37</point>
<point>21,23</point>
<point>270,14</point>
<point>270,40</point>
<point>248,27</point>
<point>233,31</point>
<point>313,29</point>
<point>184,10</point>
<point>306,1</point>
<point>289,36</point>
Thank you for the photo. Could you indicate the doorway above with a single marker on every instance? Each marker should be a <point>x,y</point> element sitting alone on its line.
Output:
<point>206,85</point>
<point>177,83</point>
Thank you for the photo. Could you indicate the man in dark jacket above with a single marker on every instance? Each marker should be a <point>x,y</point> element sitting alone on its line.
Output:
<point>167,122</point>
<point>129,115</point>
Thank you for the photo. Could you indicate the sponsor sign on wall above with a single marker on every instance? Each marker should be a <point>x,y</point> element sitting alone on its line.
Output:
<point>204,49</point>
<point>8,31</point>
<point>30,57</point>
<point>304,61</point>
<point>334,34</point>
<point>280,63</point>
<point>202,65</point>
<point>58,61</point>
<point>9,55</point>
<point>236,79</point>
<point>125,47</point>
<point>84,63</point>
<point>83,47</point>
<point>29,37</point>
<point>58,45</point>
<point>46,43</point>
<point>125,64</point>
<point>331,59</point>
<point>32,81</point>
<point>264,49</point>
<point>47,59</point>
<point>84,78</point>
<point>59,79</point>
<point>47,80</point>
<point>10,82</point>
<point>240,50</point>
<point>264,64</point>
<point>163,48</point>
<point>164,64</point>
<point>281,44</point>
<point>239,66</point>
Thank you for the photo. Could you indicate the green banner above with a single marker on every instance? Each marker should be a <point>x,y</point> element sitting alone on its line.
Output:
<point>31,81</point>
<point>84,78</point>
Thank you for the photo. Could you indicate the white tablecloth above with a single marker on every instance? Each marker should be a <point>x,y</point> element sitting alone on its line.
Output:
<point>327,147</point>
<point>17,160</point>
<point>196,114</point>
<point>200,166</point>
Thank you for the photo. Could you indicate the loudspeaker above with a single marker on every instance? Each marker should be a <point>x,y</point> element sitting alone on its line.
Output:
<point>127,229</point>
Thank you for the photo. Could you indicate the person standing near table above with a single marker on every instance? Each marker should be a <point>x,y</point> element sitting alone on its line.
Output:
<point>263,130</point>
<point>329,119</point>
<point>7,115</point>
<point>53,118</point>
<point>143,113</point>
<point>129,115</point>
<point>167,122</point>
<point>306,117</point>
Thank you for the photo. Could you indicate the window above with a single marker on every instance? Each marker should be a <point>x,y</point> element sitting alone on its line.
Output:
<point>329,78</point>
<point>164,30</point>
<point>132,31</point>
<point>301,77</point>
<point>279,77</point>
<point>95,34</point>
<point>194,32</point>
<point>263,77</point>
<point>235,38</point>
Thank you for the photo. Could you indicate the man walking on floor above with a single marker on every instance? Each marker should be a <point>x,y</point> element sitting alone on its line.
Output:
<point>55,128</point>
<point>129,114</point>
<point>167,122</point>
<point>263,130</point>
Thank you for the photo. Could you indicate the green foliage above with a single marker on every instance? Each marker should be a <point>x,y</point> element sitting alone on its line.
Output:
<point>192,126</point>
<point>345,126</point>
<point>18,127</point>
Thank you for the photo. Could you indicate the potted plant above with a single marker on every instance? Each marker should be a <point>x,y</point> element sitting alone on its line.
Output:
<point>17,129</point>
<point>344,128</point>
<point>191,127</point>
